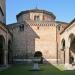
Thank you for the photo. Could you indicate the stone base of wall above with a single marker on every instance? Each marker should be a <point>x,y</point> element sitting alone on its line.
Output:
<point>30,61</point>
<point>51,61</point>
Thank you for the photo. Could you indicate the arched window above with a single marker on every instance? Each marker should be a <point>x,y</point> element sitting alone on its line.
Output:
<point>63,44</point>
<point>36,18</point>
<point>21,27</point>
<point>59,28</point>
<point>37,28</point>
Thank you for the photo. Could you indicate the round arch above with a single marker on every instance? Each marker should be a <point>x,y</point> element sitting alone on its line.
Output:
<point>2,43</point>
<point>63,50</point>
<point>39,54</point>
<point>72,47</point>
<point>63,43</point>
<point>71,39</point>
<point>9,52</point>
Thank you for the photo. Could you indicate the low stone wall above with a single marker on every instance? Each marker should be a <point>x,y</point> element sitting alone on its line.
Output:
<point>30,61</point>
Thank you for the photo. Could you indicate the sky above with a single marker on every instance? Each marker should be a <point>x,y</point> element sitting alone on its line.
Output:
<point>64,10</point>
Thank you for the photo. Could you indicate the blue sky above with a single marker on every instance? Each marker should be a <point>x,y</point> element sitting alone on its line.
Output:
<point>64,10</point>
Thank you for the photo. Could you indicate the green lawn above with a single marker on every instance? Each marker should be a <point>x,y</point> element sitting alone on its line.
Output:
<point>45,70</point>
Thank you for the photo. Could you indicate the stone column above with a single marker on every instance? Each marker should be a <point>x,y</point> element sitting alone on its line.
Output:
<point>74,58</point>
<point>67,55</point>
<point>5,57</point>
<point>6,52</point>
<point>63,56</point>
<point>67,52</point>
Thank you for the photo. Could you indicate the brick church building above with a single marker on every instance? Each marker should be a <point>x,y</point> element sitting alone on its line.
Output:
<point>36,31</point>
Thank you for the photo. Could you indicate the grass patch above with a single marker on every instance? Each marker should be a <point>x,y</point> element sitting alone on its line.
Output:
<point>45,70</point>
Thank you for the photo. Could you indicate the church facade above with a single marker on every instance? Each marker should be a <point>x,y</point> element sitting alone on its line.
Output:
<point>37,31</point>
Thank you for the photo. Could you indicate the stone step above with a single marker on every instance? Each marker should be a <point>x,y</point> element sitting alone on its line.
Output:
<point>69,67</point>
<point>4,67</point>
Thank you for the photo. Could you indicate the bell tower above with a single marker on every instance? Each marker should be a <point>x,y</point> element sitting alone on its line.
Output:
<point>3,11</point>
